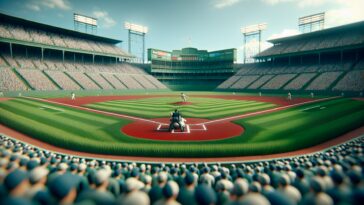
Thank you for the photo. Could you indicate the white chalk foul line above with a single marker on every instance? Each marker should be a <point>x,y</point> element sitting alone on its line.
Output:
<point>204,123</point>
<point>98,111</point>
<point>265,111</point>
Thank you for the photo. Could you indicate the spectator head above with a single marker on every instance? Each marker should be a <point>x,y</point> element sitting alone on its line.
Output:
<point>277,198</point>
<point>63,187</point>
<point>189,179</point>
<point>133,184</point>
<point>135,198</point>
<point>62,167</point>
<point>299,173</point>
<point>38,174</point>
<point>284,180</point>
<point>16,182</point>
<point>241,187</point>
<point>170,190</point>
<point>135,172</point>
<point>162,177</point>
<point>205,195</point>
<point>255,187</point>
<point>264,179</point>
<point>102,177</point>
<point>317,185</point>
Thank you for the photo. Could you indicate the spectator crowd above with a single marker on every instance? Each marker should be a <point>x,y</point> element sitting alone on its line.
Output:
<point>30,175</point>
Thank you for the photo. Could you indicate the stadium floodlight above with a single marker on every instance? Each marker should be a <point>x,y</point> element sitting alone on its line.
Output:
<point>135,27</point>
<point>253,32</point>
<point>137,32</point>
<point>84,21</point>
<point>254,28</point>
<point>312,22</point>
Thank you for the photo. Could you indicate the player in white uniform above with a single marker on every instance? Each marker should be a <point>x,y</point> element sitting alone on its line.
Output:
<point>184,97</point>
<point>289,96</point>
<point>73,96</point>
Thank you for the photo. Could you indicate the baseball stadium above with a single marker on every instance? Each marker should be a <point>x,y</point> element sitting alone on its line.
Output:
<point>86,118</point>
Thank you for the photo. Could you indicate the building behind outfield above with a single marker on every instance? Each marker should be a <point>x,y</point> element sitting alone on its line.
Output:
<point>190,68</point>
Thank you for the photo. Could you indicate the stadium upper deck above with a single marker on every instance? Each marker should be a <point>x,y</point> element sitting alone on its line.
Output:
<point>330,61</point>
<point>36,56</point>
<point>340,38</point>
<point>17,31</point>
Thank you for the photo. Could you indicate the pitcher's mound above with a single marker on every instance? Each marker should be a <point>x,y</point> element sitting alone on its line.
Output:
<point>182,103</point>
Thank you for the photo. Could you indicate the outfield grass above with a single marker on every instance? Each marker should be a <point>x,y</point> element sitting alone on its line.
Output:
<point>281,131</point>
<point>161,107</point>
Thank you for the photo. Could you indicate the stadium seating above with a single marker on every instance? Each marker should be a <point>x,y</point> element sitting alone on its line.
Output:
<point>260,81</point>
<point>113,80</point>
<point>333,176</point>
<point>130,82</point>
<point>300,81</point>
<point>96,77</point>
<point>229,82</point>
<point>298,78</point>
<point>62,80</point>
<point>75,76</point>
<point>83,80</point>
<point>36,79</point>
<point>323,81</point>
<point>244,81</point>
<point>352,81</point>
<point>38,36</point>
<point>9,81</point>
<point>278,81</point>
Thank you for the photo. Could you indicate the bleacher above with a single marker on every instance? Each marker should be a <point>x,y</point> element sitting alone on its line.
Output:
<point>54,75</point>
<point>300,81</point>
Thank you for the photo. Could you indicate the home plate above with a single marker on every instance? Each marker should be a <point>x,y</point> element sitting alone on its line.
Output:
<point>164,127</point>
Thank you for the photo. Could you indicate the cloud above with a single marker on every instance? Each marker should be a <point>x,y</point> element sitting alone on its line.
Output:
<point>219,4</point>
<point>284,33</point>
<point>33,7</point>
<point>105,18</point>
<point>346,12</point>
<point>299,3</point>
<point>48,4</point>
<point>251,47</point>
<point>340,12</point>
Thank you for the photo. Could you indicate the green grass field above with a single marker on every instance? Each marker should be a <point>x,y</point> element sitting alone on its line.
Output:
<point>281,131</point>
<point>209,108</point>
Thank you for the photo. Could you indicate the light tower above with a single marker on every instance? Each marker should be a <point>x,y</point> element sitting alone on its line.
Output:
<point>85,23</point>
<point>312,22</point>
<point>251,33</point>
<point>138,32</point>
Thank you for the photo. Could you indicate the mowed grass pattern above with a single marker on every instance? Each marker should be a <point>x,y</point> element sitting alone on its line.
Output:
<point>277,132</point>
<point>209,108</point>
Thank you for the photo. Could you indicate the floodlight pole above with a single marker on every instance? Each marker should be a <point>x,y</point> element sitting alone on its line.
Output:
<point>139,31</point>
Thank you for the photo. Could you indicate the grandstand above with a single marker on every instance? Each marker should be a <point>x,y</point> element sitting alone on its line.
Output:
<point>41,57</point>
<point>326,61</point>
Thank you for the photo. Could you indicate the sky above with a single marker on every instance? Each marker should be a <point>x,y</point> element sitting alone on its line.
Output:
<point>175,24</point>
